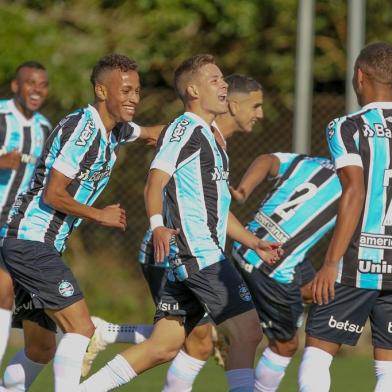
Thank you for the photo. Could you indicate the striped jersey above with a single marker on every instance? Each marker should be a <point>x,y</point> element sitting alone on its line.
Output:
<point>80,148</point>
<point>26,136</point>
<point>197,196</point>
<point>364,139</point>
<point>300,209</point>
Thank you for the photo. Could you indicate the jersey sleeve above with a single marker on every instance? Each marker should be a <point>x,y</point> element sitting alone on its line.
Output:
<point>179,144</point>
<point>286,160</point>
<point>342,137</point>
<point>129,132</point>
<point>75,142</point>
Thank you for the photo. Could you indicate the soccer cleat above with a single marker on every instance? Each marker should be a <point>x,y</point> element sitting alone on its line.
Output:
<point>221,347</point>
<point>97,344</point>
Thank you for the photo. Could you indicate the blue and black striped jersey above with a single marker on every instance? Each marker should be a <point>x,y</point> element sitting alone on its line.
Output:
<point>364,139</point>
<point>26,136</point>
<point>80,148</point>
<point>197,195</point>
<point>299,211</point>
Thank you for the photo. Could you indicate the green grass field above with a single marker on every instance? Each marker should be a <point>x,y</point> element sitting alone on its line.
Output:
<point>349,373</point>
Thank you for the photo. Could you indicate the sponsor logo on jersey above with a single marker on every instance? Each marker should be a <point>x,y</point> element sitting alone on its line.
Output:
<point>86,134</point>
<point>370,267</point>
<point>179,131</point>
<point>379,131</point>
<point>344,325</point>
<point>272,227</point>
<point>219,174</point>
<point>66,289</point>
<point>378,241</point>
<point>94,176</point>
<point>244,293</point>
<point>26,158</point>
<point>331,128</point>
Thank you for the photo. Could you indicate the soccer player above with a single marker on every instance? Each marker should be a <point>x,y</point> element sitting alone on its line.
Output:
<point>298,211</point>
<point>73,170</point>
<point>355,281</point>
<point>23,131</point>
<point>245,99</point>
<point>193,170</point>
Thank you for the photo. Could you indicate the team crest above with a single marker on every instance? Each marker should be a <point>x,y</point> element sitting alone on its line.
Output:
<point>244,293</point>
<point>66,289</point>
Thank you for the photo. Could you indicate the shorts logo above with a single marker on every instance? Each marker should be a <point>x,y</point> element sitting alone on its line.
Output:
<point>344,325</point>
<point>66,289</point>
<point>389,327</point>
<point>165,307</point>
<point>179,131</point>
<point>244,293</point>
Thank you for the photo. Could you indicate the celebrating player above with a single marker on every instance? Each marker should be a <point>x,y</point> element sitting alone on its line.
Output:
<point>355,281</point>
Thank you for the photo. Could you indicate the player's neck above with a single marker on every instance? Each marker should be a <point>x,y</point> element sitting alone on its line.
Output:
<point>379,95</point>
<point>208,117</point>
<point>107,120</point>
<point>226,124</point>
<point>26,113</point>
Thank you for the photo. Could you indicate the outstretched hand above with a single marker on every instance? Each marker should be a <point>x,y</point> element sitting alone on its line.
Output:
<point>161,240</point>
<point>269,251</point>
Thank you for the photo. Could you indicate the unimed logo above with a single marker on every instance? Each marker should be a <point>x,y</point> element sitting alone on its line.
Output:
<point>344,325</point>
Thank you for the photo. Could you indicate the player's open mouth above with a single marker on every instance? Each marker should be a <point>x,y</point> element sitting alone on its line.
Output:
<point>35,98</point>
<point>222,98</point>
<point>130,109</point>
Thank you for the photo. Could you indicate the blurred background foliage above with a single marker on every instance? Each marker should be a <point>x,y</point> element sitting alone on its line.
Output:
<point>255,37</point>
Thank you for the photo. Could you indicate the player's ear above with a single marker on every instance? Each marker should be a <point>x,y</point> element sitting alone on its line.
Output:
<point>100,91</point>
<point>192,90</point>
<point>14,86</point>
<point>233,107</point>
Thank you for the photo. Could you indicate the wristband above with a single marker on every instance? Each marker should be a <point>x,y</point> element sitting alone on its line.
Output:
<point>156,221</point>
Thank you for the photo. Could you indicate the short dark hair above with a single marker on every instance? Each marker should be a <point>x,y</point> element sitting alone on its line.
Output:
<point>29,64</point>
<point>238,83</point>
<point>188,68</point>
<point>376,60</point>
<point>110,62</point>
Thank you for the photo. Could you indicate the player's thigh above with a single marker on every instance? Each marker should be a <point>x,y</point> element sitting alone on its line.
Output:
<point>381,324</point>
<point>222,291</point>
<point>342,320</point>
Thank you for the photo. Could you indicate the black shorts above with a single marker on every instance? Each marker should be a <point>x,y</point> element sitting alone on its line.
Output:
<point>156,280</point>
<point>25,310</point>
<point>38,269</point>
<point>278,305</point>
<point>218,290</point>
<point>342,320</point>
<point>304,272</point>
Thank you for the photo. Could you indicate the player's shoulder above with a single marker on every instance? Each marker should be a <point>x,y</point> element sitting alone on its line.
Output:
<point>42,120</point>
<point>181,126</point>
<point>5,106</point>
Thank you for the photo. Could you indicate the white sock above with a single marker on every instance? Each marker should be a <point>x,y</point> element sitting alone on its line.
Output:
<point>313,373</point>
<point>21,372</point>
<point>125,333</point>
<point>182,373</point>
<point>384,375</point>
<point>270,371</point>
<point>240,380</point>
<point>5,323</point>
<point>117,372</point>
<point>67,362</point>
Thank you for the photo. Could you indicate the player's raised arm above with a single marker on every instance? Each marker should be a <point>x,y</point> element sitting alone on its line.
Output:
<point>263,166</point>
<point>57,196</point>
<point>151,134</point>
<point>349,212</point>
<point>270,252</point>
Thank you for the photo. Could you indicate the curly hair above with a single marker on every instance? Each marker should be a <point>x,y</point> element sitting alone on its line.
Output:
<point>376,60</point>
<point>110,62</point>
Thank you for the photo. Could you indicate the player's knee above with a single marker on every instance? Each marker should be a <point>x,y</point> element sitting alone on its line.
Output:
<point>41,354</point>
<point>200,348</point>
<point>85,327</point>
<point>164,353</point>
<point>286,348</point>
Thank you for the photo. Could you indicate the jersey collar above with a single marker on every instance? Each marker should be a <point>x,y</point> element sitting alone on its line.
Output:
<point>378,105</point>
<point>98,121</point>
<point>25,122</point>
<point>198,119</point>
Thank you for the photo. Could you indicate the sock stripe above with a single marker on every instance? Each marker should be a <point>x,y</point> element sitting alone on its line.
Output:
<point>271,365</point>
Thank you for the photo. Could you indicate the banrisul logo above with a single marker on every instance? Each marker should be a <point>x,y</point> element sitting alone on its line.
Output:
<point>244,293</point>
<point>66,289</point>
